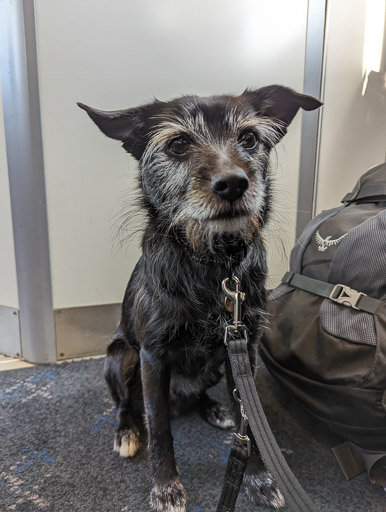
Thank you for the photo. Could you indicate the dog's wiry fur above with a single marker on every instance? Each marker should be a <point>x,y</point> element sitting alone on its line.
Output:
<point>206,206</point>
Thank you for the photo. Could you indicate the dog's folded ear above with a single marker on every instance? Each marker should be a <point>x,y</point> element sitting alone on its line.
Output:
<point>128,126</point>
<point>278,102</point>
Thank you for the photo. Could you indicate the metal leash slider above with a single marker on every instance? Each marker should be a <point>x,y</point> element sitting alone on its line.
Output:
<point>235,298</point>
<point>242,434</point>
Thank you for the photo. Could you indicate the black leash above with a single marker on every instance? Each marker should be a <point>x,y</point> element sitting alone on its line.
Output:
<point>234,475</point>
<point>252,412</point>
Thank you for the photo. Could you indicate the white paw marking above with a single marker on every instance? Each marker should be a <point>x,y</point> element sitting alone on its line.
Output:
<point>128,444</point>
<point>168,498</point>
<point>277,500</point>
<point>262,489</point>
<point>220,417</point>
<point>227,423</point>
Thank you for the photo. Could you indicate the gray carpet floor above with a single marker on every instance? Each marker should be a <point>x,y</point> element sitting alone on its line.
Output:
<point>56,436</point>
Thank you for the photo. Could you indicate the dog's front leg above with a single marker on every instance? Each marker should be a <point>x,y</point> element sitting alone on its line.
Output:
<point>167,494</point>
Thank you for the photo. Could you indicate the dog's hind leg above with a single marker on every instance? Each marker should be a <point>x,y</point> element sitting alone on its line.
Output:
<point>214,413</point>
<point>122,373</point>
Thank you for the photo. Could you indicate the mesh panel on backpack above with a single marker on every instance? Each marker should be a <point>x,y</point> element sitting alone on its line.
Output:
<point>360,261</point>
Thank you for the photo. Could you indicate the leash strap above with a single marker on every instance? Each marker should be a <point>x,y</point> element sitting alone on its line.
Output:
<point>269,449</point>
<point>252,414</point>
<point>233,478</point>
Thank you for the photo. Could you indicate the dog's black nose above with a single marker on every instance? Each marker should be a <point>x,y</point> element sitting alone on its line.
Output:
<point>230,186</point>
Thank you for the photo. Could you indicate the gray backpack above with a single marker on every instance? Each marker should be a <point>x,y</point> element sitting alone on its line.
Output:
<point>327,342</point>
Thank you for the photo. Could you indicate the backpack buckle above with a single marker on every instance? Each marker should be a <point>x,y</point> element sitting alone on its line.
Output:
<point>346,296</point>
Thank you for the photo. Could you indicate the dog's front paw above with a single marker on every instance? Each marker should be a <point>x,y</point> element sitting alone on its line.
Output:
<point>219,416</point>
<point>168,497</point>
<point>126,442</point>
<point>262,489</point>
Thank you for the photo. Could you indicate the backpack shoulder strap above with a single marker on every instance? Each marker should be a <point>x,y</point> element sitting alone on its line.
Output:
<point>339,293</point>
<point>354,460</point>
<point>374,192</point>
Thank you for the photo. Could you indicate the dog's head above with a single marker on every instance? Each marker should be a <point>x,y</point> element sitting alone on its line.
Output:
<point>204,161</point>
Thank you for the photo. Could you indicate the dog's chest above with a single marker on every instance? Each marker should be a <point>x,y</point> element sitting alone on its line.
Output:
<point>198,365</point>
<point>198,346</point>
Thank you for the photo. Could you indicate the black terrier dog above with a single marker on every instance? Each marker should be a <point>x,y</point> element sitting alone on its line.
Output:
<point>206,187</point>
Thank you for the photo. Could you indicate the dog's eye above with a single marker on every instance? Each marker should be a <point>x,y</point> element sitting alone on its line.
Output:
<point>248,140</point>
<point>179,146</point>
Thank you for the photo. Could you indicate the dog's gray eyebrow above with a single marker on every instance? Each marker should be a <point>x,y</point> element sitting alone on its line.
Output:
<point>198,128</point>
<point>173,126</point>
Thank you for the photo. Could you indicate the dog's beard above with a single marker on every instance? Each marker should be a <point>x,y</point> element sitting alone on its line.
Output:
<point>210,235</point>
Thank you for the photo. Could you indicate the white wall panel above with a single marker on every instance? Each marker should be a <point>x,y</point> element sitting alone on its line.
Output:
<point>8,282</point>
<point>354,126</point>
<point>118,54</point>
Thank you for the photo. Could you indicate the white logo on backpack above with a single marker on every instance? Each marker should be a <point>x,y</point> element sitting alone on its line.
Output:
<point>325,243</point>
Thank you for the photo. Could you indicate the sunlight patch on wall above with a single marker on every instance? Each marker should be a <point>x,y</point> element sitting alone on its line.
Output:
<point>374,39</point>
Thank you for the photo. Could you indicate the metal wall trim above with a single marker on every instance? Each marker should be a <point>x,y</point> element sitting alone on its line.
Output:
<point>86,330</point>
<point>10,343</point>
<point>314,75</point>
<point>20,87</point>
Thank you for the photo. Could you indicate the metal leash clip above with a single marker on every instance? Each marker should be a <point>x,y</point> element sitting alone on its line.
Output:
<point>233,300</point>
<point>242,434</point>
